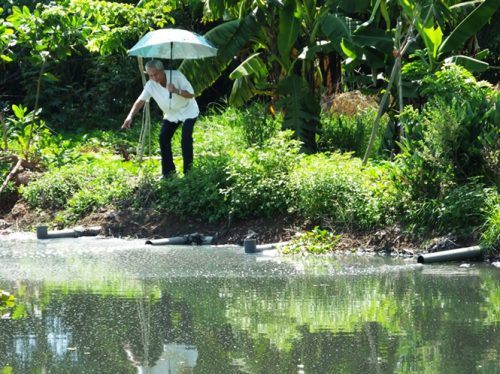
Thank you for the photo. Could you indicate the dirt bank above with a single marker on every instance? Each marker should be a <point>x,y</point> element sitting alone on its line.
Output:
<point>152,225</point>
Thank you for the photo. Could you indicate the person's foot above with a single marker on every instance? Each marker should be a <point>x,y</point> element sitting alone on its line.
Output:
<point>165,177</point>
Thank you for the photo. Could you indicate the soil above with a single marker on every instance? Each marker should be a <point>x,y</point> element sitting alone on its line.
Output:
<point>149,224</point>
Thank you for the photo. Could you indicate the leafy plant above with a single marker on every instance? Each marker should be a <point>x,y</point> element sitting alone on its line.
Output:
<point>490,230</point>
<point>257,183</point>
<point>316,241</point>
<point>346,133</point>
<point>7,301</point>
<point>336,190</point>
<point>457,210</point>
<point>79,189</point>
<point>197,195</point>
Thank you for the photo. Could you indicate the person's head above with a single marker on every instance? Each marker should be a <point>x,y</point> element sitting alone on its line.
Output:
<point>155,70</point>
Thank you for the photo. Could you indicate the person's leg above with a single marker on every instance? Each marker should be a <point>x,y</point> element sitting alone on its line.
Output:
<point>167,161</point>
<point>187,143</point>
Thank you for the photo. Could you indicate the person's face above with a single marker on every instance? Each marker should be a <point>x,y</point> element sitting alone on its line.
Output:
<point>156,75</point>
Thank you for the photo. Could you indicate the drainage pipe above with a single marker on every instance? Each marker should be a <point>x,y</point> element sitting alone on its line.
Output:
<point>43,233</point>
<point>466,253</point>
<point>185,239</point>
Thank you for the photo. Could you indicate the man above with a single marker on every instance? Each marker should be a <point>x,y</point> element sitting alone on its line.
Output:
<point>176,99</point>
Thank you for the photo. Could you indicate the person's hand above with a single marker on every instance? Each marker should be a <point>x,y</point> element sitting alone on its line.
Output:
<point>171,88</point>
<point>127,123</point>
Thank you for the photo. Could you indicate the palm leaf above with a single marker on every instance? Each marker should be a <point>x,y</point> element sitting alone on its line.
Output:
<point>242,91</point>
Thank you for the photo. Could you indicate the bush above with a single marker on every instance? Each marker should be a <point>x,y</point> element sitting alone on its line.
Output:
<point>346,133</point>
<point>337,190</point>
<point>197,195</point>
<point>453,137</point>
<point>490,235</point>
<point>258,177</point>
<point>458,210</point>
<point>54,188</point>
<point>79,189</point>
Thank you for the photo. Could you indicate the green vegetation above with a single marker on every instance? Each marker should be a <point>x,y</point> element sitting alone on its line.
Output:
<point>265,147</point>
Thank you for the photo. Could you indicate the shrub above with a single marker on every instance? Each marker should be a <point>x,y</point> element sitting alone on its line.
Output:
<point>197,195</point>
<point>490,235</point>
<point>78,189</point>
<point>451,139</point>
<point>337,190</point>
<point>458,210</point>
<point>258,177</point>
<point>345,133</point>
<point>54,188</point>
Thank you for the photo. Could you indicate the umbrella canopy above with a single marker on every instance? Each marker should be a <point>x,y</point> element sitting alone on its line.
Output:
<point>173,44</point>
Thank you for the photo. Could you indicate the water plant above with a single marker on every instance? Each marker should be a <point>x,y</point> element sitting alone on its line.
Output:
<point>316,241</point>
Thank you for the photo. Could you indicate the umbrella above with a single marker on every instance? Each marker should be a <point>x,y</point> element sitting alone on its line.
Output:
<point>173,44</point>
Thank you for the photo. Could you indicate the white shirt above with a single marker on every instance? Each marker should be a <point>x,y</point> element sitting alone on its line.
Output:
<point>177,108</point>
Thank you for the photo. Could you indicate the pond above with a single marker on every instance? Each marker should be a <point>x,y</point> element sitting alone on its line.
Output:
<point>91,305</point>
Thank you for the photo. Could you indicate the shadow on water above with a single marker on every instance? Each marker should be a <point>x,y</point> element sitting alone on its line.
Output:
<point>92,305</point>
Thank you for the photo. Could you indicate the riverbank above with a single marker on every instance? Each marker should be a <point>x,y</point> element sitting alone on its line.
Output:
<point>149,224</point>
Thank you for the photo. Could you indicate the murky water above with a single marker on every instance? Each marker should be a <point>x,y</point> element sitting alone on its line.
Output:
<point>92,305</point>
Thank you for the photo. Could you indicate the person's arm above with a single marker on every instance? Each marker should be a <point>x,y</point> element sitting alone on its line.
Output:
<point>178,91</point>
<point>133,111</point>
<point>182,86</point>
<point>185,94</point>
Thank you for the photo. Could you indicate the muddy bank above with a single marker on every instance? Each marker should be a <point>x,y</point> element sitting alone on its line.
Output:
<point>149,224</point>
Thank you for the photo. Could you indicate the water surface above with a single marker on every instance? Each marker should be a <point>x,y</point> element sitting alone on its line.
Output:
<point>91,305</point>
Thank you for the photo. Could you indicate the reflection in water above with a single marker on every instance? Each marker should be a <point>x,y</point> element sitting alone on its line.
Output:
<point>141,310</point>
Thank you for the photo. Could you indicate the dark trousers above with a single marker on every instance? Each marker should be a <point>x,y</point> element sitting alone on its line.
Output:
<point>167,132</point>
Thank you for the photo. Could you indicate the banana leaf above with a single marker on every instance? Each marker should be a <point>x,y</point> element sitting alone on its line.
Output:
<point>469,26</point>
<point>229,38</point>
<point>471,64</point>
<point>289,28</point>
<point>301,110</point>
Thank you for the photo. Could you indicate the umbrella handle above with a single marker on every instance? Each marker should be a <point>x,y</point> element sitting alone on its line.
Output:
<point>170,80</point>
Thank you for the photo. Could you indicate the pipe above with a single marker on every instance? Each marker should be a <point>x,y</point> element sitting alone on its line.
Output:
<point>451,255</point>
<point>250,245</point>
<point>196,238</point>
<point>43,233</point>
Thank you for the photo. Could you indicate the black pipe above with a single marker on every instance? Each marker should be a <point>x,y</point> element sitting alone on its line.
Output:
<point>43,233</point>
<point>195,238</point>
<point>466,253</point>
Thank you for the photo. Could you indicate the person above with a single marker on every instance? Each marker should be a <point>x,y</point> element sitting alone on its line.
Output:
<point>175,96</point>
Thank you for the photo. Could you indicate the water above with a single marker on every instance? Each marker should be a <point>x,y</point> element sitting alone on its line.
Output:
<point>91,305</point>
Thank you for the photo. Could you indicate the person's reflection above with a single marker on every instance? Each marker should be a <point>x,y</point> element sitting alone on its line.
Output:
<point>173,321</point>
<point>175,358</point>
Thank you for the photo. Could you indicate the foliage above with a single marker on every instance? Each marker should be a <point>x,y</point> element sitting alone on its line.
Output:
<point>451,139</point>
<point>347,133</point>
<point>251,123</point>
<point>337,190</point>
<point>197,195</point>
<point>7,301</point>
<point>258,177</point>
<point>490,230</point>
<point>257,124</point>
<point>457,210</point>
<point>316,241</point>
<point>80,189</point>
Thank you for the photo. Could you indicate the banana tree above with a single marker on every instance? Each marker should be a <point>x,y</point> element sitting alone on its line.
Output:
<point>367,45</point>
<point>267,38</point>
<point>436,49</point>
